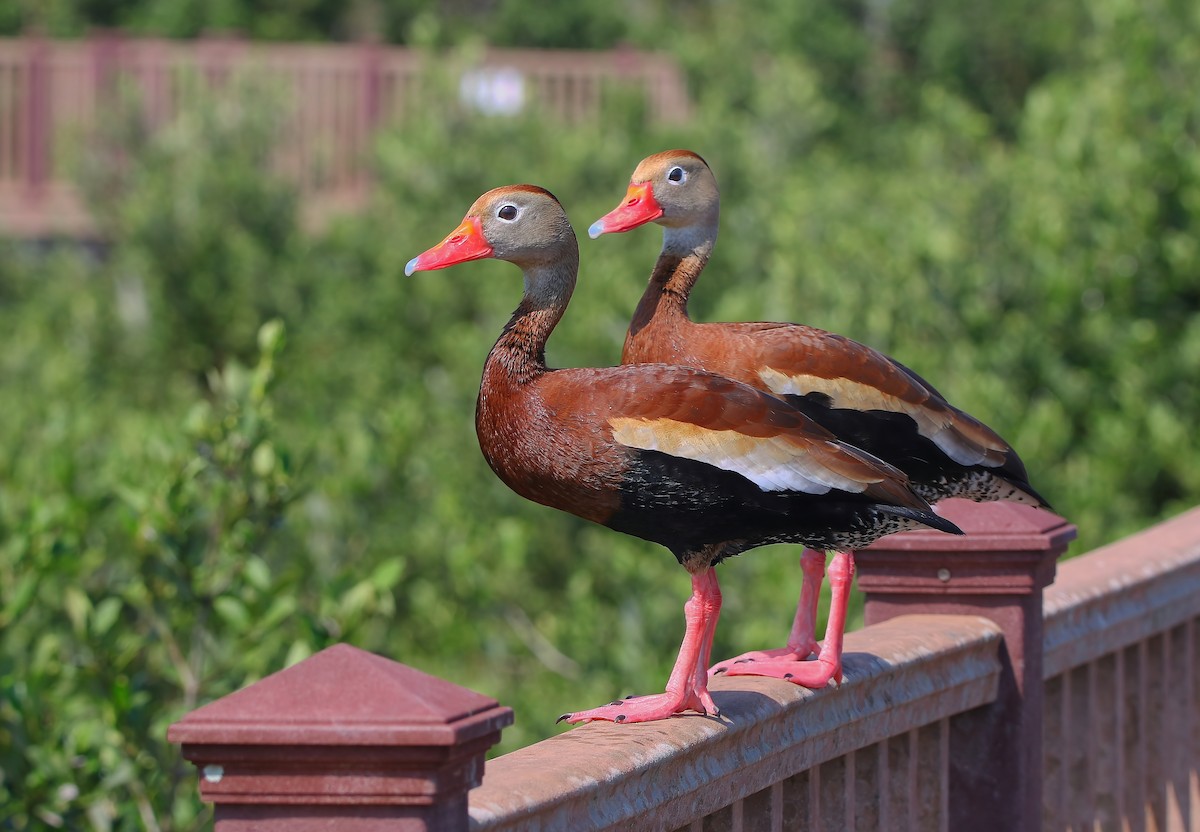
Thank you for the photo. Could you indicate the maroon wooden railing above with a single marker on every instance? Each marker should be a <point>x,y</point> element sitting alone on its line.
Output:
<point>52,94</point>
<point>1122,732</point>
<point>938,725</point>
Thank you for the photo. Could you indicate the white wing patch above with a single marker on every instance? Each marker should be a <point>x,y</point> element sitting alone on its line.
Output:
<point>772,463</point>
<point>854,395</point>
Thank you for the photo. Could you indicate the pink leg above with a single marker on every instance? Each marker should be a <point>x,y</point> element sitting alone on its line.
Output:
<point>687,689</point>
<point>700,679</point>
<point>828,664</point>
<point>801,642</point>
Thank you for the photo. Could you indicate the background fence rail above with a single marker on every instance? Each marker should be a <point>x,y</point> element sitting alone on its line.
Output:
<point>54,93</point>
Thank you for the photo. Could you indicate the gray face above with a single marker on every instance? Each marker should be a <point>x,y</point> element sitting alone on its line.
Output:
<point>685,188</point>
<point>524,225</point>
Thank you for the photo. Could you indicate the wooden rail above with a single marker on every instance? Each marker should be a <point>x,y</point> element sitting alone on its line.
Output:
<point>874,754</point>
<point>1123,685</point>
<point>913,728</point>
<point>53,93</point>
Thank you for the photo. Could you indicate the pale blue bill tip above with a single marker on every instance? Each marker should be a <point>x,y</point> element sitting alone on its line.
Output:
<point>411,266</point>
<point>596,229</point>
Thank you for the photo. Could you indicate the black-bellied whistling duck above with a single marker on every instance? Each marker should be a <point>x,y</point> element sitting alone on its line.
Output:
<point>859,394</point>
<point>704,465</point>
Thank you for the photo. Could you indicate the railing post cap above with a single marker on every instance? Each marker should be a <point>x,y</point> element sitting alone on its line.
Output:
<point>343,728</point>
<point>344,696</point>
<point>1006,549</point>
<point>996,526</point>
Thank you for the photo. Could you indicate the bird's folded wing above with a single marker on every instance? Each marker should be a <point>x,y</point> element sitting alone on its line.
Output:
<point>773,463</point>
<point>857,377</point>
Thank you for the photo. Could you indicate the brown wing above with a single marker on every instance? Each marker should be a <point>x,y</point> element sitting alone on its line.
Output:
<point>729,425</point>
<point>792,359</point>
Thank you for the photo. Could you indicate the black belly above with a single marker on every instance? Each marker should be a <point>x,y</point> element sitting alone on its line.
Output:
<point>690,506</point>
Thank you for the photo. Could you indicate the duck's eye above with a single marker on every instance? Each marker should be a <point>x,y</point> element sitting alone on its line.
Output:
<point>507,212</point>
<point>677,174</point>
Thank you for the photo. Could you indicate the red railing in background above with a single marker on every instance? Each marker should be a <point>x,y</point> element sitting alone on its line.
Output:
<point>53,92</point>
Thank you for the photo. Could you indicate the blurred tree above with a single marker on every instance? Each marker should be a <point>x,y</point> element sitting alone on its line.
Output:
<point>990,54</point>
<point>100,653</point>
<point>588,24</point>
<point>197,223</point>
<point>259,19</point>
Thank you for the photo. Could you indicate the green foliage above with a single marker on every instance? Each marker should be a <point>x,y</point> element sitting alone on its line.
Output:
<point>187,505</point>
<point>260,19</point>
<point>580,24</point>
<point>205,234</point>
<point>131,586</point>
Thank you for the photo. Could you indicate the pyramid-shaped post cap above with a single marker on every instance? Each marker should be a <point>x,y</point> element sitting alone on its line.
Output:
<point>343,727</point>
<point>1006,548</point>
<point>345,696</point>
<point>997,526</point>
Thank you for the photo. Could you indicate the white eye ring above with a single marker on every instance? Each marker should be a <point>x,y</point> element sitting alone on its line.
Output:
<point>510,210</point>
<point>677,175</point>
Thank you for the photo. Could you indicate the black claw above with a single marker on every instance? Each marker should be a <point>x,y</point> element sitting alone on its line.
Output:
<point>618,702</point>
<point>561,718</point>
<point>743,661</point>
<point>787,675</point>
<point>719,671</point>
<point>630,696</point>
<point>620,718</point>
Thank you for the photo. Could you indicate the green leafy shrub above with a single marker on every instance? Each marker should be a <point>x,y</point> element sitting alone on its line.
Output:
<point>204,235</point>
<point>133,591</point>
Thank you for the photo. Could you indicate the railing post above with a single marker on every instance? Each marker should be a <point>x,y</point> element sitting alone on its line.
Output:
<point>105,65</point>
<point>371,113</point>
<point>343,740</point>
<point>997,570</point>
<point>218,56</point>
<point>372,86</point>
<point>36,103</point>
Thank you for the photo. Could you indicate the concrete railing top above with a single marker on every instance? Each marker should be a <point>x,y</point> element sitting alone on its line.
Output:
<point>900,675</point>
<point>1122,593</point>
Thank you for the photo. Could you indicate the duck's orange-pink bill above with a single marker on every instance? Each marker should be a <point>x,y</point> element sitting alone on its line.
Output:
<point>462,244</point>
<point>637,208</point>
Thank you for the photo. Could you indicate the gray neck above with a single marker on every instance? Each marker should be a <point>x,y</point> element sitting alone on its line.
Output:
<point>696,239</point>
<point>521,349</point>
